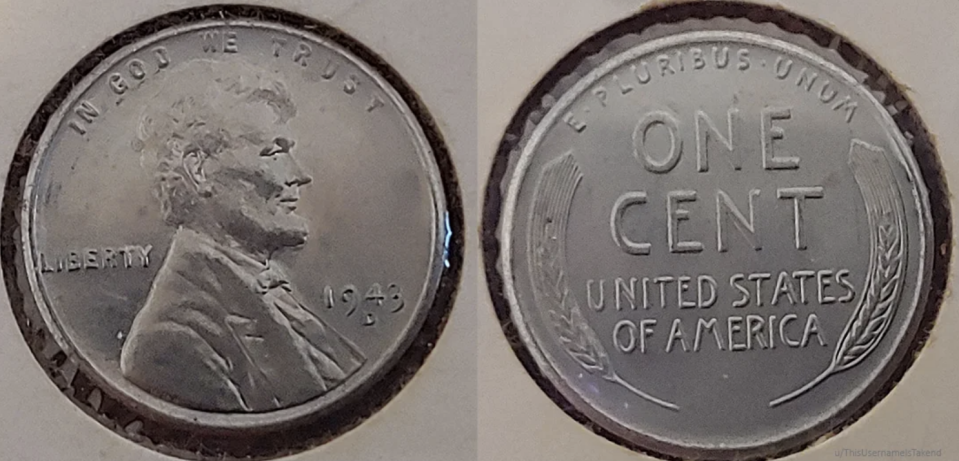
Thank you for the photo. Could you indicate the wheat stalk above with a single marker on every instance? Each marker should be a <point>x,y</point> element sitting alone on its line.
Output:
<point>873,315</point>
<point>551,201</point>
<point>576,336</point>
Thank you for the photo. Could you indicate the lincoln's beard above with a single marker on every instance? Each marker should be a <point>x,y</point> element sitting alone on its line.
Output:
<point>246,209</point>
<point>266,234</point>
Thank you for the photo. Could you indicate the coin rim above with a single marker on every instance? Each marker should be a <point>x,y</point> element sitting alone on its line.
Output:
<point>498,243</point>
<point>321,405</point>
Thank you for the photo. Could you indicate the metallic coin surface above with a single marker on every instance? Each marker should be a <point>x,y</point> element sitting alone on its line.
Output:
<point>714,238</point>
<point>234,224</point>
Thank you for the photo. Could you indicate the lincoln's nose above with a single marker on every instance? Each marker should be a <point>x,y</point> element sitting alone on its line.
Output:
<point>298,176</point>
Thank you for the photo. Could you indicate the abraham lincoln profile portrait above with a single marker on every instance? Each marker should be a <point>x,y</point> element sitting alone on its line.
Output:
<point>223,329</point>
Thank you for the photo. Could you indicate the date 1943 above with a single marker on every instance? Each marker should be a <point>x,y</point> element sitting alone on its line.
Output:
<point>366,306</point>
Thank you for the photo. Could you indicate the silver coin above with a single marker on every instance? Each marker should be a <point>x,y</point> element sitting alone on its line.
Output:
<point>714,239</point>
<point>234,224</point>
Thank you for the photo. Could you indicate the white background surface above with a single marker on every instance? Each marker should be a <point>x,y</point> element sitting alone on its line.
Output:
<point>431,44</point>
<point>916,41</point>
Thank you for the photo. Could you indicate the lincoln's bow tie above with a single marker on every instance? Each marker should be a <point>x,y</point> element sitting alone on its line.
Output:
<point>271,278</point>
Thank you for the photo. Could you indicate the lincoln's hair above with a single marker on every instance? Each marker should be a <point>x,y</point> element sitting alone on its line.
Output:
<point>199,108</point>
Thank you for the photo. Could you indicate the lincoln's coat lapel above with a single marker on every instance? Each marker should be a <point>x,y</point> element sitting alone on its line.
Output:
<point>214,335</point>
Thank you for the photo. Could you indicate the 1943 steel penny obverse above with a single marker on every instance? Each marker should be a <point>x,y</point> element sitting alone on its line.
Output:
<point>234,224</point>
<point>713,239</point>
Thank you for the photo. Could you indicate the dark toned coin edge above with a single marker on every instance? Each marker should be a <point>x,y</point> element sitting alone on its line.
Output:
<point>192,442</point>
<point>541,98</point>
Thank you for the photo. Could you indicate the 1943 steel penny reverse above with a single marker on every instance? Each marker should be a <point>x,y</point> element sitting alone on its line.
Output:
<point>234,224</point>
<point>713,239</point>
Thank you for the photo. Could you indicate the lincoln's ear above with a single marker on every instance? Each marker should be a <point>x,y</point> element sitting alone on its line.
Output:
<point>193,166</point>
